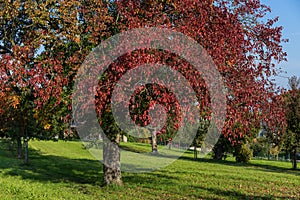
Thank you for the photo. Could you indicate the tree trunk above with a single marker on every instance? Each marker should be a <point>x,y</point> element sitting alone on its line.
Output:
<point>19,143</point>
<point>26,151</point>
<point>12,145</point>
<point>170,143</point>
<point>111,161</point>
<point>195,153</point>
<point>295,163</point>
<point>218,152</point>
<point>20,135</point>
<point>269,155</point>
<point>294,159</point>
<point>154,143</point>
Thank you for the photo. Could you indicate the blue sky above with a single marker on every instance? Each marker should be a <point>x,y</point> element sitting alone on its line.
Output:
<point>289,17</point>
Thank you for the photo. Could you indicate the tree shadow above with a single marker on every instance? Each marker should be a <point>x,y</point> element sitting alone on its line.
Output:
<point>265,167</point>
<point>159,180</point>
<point>234,194</point>
<point>149,179</point>
<point>45,168</point>
<point>258,166</point>
<point>134,149</point>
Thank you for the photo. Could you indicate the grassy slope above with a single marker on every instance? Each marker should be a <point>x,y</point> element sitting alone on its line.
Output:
<point>63,170</point>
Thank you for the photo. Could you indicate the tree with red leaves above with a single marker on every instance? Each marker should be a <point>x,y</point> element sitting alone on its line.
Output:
<point>243,46</point>
<point>43,43</point>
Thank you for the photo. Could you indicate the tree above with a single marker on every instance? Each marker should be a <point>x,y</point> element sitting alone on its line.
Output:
<point>243,153</point>
<point>145,99</point>
<point>199,138</point>
<point>292,103</point>
<point>246,62</point>
<point>32,81</point>
<point>43,43</point>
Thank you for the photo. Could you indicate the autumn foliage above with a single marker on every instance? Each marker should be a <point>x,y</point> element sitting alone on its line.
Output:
<point>43,43</point>
<point>243,48</point>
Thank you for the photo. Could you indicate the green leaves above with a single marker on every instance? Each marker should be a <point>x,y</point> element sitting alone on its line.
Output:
<point>292,105</point>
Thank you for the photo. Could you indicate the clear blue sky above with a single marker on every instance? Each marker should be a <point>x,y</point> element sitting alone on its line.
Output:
<point>289,17</point>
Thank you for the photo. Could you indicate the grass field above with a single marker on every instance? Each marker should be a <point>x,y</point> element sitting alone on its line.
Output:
<point>64,170</point>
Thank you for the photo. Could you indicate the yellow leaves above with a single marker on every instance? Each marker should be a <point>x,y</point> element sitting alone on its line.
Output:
<point>47,126</point>
<point>35,115</point>
<point>41,118</point>
<point>230,62</point>
<point>9,100</point>
<point>274,150</point>
<point>15,101</point>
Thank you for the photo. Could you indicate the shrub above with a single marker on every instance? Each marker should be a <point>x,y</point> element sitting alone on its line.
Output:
<point>243,154</point>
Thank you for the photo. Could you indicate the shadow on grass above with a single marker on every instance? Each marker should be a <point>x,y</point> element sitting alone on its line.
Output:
<point>49,168</point>
<point>258,166</point>
<point>149,179</point>
<point>134,149</point>
<point>233,194</point>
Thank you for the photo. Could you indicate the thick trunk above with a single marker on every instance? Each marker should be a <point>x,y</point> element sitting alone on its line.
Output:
<point>111,161</point>
<point>154,143</point>
<point>19,143</point>
<point>218,152</point>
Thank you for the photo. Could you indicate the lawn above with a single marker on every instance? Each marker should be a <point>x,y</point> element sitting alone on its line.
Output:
<point>65,170</point>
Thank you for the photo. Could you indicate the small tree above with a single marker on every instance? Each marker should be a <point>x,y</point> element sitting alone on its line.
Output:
<point>274,151</point>
<point>200,136</point>
<point>292,103</point>
<point>243,153</point>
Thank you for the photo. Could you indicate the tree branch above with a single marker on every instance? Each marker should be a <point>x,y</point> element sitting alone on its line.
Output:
<point>4,50</point>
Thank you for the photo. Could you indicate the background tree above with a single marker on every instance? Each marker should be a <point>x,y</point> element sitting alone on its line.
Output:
<point>30,80</point>
<point>200,137</point>
<point>145,98</point>
<point>42,44</point>
<point>292,103</point>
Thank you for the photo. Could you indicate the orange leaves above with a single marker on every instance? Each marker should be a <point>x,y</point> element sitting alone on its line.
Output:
<point>229,63</point>
<point>15,101</point>
<point>77,39</point>
<point>47,126</point>
<point>8,99</point>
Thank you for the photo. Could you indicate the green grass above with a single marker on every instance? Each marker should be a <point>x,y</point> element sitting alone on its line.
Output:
<point>64,170</point>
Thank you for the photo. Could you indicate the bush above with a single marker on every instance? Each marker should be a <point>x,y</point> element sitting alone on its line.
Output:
<point>243,154</point>
<point>222,147</point>
<point>259,150</point>
<point>142,135</point>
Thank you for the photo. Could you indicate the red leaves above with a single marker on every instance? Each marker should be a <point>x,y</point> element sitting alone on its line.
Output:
<point>243,48</point>
<point>234,44</point>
